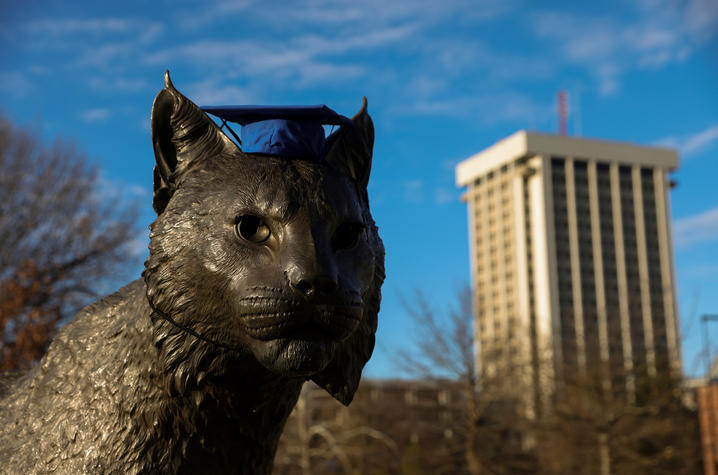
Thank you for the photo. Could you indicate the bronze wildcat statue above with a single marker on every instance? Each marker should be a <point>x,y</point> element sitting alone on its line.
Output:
<point>263,272</point>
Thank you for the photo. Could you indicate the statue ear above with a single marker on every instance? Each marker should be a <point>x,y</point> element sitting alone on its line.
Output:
<point>181,135</point>
<point>351,149</point>
<point>351,152</point>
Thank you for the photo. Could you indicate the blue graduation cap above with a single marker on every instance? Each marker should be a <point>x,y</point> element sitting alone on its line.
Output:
<point>289,131</point>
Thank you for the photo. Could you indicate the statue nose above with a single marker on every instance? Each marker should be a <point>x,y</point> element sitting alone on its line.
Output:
<point>317,286</point>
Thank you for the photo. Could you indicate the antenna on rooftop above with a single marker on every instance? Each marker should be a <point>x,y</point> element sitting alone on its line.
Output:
<point>562,112</point>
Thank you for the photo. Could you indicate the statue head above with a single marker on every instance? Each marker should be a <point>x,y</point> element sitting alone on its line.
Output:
<point>265,255</point>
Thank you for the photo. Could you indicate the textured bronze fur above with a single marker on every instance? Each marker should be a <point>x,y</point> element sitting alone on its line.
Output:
<point>195,367</point>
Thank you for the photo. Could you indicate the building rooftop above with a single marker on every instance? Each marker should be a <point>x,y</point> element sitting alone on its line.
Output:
<point>523,144</point>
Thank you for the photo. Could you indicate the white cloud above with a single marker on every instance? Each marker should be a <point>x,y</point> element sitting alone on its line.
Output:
<point>413,190</point>
<point>295,62</point>
<point>652,38</point>
<point>149,32</point>
<point>212,92</point>
<point>212,12</point>
<point>697,228</point>
<point>608,74</point>
<point>71,33</point>
<point>138,191</point>
<point>690,144</point>
<point>15,83</point>
<point>444,196</point>
<point>328,14</point>
<point>339,13</point>
<point>608,85</point>
<point>138,247</point>
<point>251,57</point>
<point>340,30</point>
<point>697,141</point>
<point>486,109</point>
<point>257,56</point>
<point>697,19</point>
<point>313,42</point>
<point>103,55</point>
<point>658,33</point>
<point>116,84</point>
<point>364,40</point>
<point>321,72</point>
<point>73,26</point>
<point>95,115</point>
<point>424,86</point>
<point>456,58</point>
<point>94,43</point>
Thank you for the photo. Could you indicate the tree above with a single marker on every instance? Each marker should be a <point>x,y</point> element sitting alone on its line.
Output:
<point>489,434</point>
<point>586,428</point>
<point>64,236</point>
<point>322,436</point>
<point>592,429</point>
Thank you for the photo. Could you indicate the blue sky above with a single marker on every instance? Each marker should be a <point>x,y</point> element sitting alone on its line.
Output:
<point>444,80</point>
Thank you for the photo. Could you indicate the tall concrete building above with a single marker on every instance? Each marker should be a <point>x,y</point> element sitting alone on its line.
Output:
<point>571,260</point>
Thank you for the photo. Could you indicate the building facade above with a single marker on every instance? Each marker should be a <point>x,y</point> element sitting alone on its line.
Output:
<point>389,423</point>
<point>572,260</point>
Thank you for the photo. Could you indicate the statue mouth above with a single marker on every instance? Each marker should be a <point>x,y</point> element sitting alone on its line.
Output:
<point>328,322</point>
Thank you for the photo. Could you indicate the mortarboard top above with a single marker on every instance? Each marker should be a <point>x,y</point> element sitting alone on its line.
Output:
<point>289,131</point>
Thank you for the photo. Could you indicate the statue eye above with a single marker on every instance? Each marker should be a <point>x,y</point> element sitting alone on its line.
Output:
<point>347,235</point>
<point>251,228</point>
